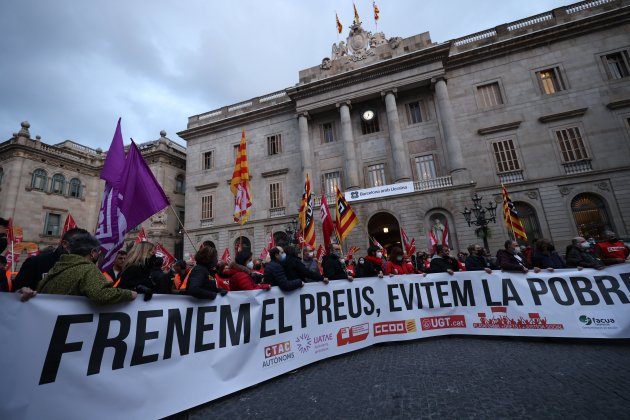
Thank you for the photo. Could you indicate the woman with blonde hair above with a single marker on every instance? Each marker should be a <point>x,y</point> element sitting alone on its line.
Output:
<point>136,272</point>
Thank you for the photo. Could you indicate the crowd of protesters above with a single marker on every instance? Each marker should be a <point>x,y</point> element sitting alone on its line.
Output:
<point>71,268</point>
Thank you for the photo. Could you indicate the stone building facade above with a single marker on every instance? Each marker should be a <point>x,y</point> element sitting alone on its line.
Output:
<point>41,183</point>
<point>541,105</point>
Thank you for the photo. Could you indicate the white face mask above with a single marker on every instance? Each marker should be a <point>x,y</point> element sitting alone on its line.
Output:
<point>379,255</point>
<point>585,245</point>
<point>517,249</point>
<point>342,260</point>
<point>250,265</point>
<point>309,254</point>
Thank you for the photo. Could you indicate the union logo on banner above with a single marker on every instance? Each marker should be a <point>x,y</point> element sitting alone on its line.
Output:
<point>500,319</point>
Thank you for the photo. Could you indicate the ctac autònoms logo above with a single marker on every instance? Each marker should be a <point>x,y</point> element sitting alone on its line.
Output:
<point>394,327</point>
<point>277,353</point>
<point>441,322</point>
<point>597,322</point>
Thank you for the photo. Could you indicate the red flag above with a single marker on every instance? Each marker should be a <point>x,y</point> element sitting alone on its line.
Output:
<point>240,184</point>
<point>496,309</point>
<point>271,242</point>
<point>376,11</point>
<point>226,256</point>
<point>432,242</point>
<point>410,246</point>
<point>353,250</point>
<point>69,224</point>
<point>10,236</point>
<point>377,244</point>
<point>327,223</point>
<point>169,259</point>
<point>320,253</point>
<point>445,235</point>
<point>142,237</point>
<point>264,254</point>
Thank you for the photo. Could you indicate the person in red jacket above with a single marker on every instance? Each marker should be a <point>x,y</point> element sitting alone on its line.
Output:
<point>612,250</point>
<point>240,271</point>
<point>395,265</point>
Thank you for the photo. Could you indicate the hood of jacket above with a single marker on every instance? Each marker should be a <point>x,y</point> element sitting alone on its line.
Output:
<point>70,262</point>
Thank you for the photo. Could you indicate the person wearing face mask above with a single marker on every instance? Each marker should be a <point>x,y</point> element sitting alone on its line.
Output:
<point>395,265</point>
<point>275,274</point>
<point>258,266</point>
<point>240,271</point>
<point>442,262</point>
<point>294,268</point>
<point>76,274</point>
<point>308,259</point>
<point>334,265</point>
<point>511,258</point>
<point>546,256</point>
<point>611,250</point>
<point>372,265</point>
<point>579,255</point>
<point>476,260</point>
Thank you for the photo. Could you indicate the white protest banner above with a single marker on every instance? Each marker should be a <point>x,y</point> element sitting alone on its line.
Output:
<point>63,358</point>
<point>378,192</point>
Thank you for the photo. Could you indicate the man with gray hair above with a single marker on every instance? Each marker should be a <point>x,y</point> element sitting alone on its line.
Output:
<point>76,274</point>
<point>578,255</point>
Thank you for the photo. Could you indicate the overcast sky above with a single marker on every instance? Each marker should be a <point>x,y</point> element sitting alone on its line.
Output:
<point>72,67</point>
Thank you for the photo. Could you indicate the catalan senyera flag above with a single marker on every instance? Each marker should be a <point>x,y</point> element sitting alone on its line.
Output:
<point>510,215</point>
<point>356,14</point>
<point>345,218</point>
<point>376,11</point>
<point>339,26</point>
<point>307,222</point>
<point>240,184</point>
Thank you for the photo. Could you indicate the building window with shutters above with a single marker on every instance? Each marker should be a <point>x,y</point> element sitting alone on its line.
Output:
<point>425,167</point>
<point>52,226</point>
<point>617,65</point>
<point>74,190</point>
<point>417,112</point>
<point>489,95</point>
<point>208,160</point>
<point>40,180</point>
<point>58,184</point>
<point>206,207</point>
<point>328,133</point>
<point>376,175</point>
<point>274,145</point>
<point>275,195</point>
<point>330,182</point>
<point>508,165</point>
<point>550,81</point>
<point>572,147</point>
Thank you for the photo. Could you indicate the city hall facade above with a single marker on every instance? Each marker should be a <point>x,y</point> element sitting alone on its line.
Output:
<point>540,105</point>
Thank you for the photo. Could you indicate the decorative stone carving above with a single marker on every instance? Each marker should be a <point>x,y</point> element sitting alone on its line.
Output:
<point>159,219</point>
<point>603,186</point>
<point>565,190</point>
<point>359,43</point>
<point>532,194</point>
<point>498,199</point>
<point>377,39</point>
<point>339,51</point>
<point>326,64</point>
<point>394,42</point>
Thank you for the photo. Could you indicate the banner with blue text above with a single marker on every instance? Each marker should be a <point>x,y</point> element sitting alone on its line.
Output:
<point>61,357</point>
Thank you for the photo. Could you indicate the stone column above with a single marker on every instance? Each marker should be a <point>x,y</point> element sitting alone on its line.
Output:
<point>402,170</point>
<point>305,146</point>
<point>449,129</point>
<point>351,169</point>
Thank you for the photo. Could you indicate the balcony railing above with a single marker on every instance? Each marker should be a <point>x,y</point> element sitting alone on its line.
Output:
<point>433,183</point>
<point>206,222</point>
<point>510,177</point>
<point>277,212</point>
<point>577,167</point>
<point>330,199</point>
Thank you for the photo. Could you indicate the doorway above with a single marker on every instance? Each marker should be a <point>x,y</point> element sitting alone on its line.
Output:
<point>385,229</point>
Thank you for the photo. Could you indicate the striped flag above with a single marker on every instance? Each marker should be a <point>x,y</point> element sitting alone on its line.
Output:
<point>339,27</point>
<point>356,14</point>
<point>345,218</point>
<point>240,184</point>
<point>510,215</point>
<point>327,223</point>
<point>307,222</point>
<point>376,11</point>
<point>410,246</point>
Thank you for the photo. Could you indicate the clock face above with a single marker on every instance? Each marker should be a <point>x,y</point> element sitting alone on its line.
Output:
<point>367,115</point>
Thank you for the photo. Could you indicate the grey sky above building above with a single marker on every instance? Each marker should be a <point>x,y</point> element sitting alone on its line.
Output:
<point>71,68</point>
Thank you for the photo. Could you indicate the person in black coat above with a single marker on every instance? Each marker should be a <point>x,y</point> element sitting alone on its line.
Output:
<point>200,282</point>
<point>294,268</point>
<point>372,265</point>
<point>4,282</point>
<point>476,260</point>
<point>334,265</point>
<point>579,255</point>
<point>275,274</point>
<point>136,273</point>
<point>546,256</point>
<point>4,224</point>
<point>34,267</point>
<point>442,262</point>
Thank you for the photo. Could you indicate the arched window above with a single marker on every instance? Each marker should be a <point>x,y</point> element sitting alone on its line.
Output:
<point>242,243</point>
<point>58,184</point>
<point>591,216</point>
<point>529,219</point>
<point>281,238</point>
<point>75,188</point>
<point>180,184</point>
<point>40,180</point>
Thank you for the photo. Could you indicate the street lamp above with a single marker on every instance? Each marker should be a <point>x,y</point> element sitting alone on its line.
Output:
<point>292,230</point>
<point>481,217</point>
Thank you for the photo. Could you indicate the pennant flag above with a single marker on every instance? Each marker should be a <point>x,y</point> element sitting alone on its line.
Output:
<point>356,14</point>
<point>410,245</point>
<point>240,184</point>
<point>68,224</point>
<point>320,253</point>
<point>142,237</point>
<point>327,223</point>
<point>376,11</point>
<point>346,218</point>
<point>131,196</point>
<point>339,27</point>
<point>307,222</point>
<point>510,215</point>
<point>264,254</point>
<point>226,256</point>
<point>169,259</point>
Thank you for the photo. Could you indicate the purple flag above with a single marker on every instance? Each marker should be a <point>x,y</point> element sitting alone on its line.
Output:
<point>142,195</point>
<point>115,160</point>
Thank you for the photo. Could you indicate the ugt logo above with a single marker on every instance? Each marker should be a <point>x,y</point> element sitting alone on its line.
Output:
<point>585,320</point>
<point>303,343</point>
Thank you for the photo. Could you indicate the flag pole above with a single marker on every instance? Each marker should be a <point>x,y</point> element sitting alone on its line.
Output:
<point>182,225</point>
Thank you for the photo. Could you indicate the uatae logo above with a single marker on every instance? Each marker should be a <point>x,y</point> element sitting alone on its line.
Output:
<point>599,321</point>
<point>303,343</point>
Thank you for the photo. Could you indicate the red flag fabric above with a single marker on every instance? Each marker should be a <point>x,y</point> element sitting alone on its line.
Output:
<point>240,184</point>
<point>320,253</point>
<point>410,245</point>
<point>376,11</point>
<point>271,242</point>
<point>379,246</point>
<point>327,223</point>
<point>226,256</point>
<point>512,220</point>
<point>169,259</point>
<point>353,250</point>
<point>432,242</point>
<point>264,254</point>
<point>69,224</point>
<point>142,237</point>
<point>445,235</point>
